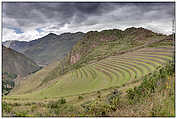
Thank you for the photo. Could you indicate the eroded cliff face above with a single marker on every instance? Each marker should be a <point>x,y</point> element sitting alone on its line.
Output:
<point>89,42</point>
<point>75,58</point>
<point>106,38</point>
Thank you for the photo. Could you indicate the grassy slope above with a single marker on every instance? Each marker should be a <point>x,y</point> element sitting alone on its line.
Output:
<point>105,76</point>
<point>106,43</point>
<point>160,102</point>
<point>32,81</point>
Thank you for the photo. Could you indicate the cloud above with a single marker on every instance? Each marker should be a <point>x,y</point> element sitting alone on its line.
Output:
<point>12,35</point>
<point>38,19</point>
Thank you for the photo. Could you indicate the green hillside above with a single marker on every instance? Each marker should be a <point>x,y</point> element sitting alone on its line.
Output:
<point>105,72</point>
<point>114,71</point>
<point>99,45</point>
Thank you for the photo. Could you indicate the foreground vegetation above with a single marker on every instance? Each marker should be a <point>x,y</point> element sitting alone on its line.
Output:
<point>7,82</point>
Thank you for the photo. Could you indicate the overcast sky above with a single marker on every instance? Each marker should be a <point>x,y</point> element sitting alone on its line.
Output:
<point>29,21</point>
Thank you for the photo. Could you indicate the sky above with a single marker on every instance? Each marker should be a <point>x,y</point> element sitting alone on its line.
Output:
<point>29,21</point>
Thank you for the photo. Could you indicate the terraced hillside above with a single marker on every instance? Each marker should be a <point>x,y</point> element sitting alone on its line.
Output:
<point>98,45</point>
<point>114,71</point>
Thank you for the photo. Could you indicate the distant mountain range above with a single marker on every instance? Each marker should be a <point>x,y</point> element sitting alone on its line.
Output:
<point>17,63</point>
<point>47,49</point>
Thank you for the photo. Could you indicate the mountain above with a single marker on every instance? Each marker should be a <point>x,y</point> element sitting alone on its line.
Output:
<point>47,49</point>
<point>19,46</point>
<point>17,63</point>
<point>97,45</point>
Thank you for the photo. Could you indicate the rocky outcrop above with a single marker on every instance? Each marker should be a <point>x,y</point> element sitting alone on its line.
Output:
<point>75,58</point>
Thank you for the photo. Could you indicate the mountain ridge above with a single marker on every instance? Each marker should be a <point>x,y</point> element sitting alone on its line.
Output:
<point>41,50</point>
<point>17,63</point>
<point>111,38</point>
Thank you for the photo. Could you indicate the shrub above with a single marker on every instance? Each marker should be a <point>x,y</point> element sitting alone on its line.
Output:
<point>12,76</point>
<point>60,107</point>
<point>52,104</point>
<point>62,101</point>
<point>96,108</point>
<point>131,95</point>
<point>5,73</point>
<point>56,104</point>
<point>22,114</point>
<point>33,108</point>
<point>80,97</point>
<point>150,83</point>
<point>99,96</point>
<point>17,104</point>
<point>6,107</point>
<point>64,109</point>
<point>98,92</point>
<point>113,99</point>
<point>28,104</point>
